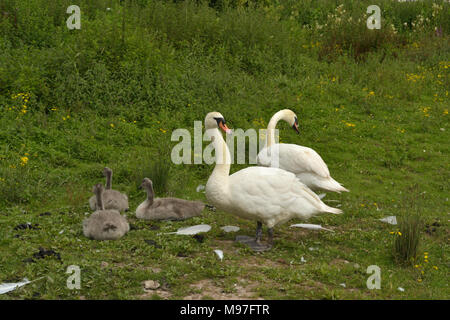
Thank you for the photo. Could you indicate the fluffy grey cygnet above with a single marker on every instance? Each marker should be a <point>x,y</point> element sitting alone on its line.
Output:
<point>104,224</point>
<point>166,208</point>
<point>112,199</point>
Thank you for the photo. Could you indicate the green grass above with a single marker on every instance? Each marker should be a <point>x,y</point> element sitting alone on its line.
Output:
<point>94,100</point>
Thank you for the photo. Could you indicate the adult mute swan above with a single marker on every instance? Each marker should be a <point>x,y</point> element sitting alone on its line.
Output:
<point>304,162</point>
<point>266,195</point>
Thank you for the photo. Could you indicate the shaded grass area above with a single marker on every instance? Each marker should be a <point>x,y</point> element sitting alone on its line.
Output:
<point>74,102</point>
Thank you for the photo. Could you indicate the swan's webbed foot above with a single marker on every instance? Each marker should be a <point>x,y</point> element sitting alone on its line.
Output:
<point>255,243</point>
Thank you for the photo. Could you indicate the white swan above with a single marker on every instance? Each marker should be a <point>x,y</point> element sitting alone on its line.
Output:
<point>266,195</point>
<point>304,162</point>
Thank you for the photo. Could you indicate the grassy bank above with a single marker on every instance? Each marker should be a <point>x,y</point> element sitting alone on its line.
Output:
<point>372,103</point>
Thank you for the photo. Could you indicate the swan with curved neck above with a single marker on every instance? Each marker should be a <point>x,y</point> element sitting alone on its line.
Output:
<point>304,162</point>
<point>285,115</point>
<point>266,195</point>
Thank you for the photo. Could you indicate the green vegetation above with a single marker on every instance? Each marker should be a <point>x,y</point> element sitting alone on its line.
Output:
<point>406,243</point>
<point>372,103</point>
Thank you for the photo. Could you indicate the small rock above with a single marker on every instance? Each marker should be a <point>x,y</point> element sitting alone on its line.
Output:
<point>104,264</point>
<point>151,285</point>
<point>401,289</point>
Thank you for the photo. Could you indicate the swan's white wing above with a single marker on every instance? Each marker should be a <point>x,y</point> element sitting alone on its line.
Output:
<point>268,192</point>
<point>294,158</point>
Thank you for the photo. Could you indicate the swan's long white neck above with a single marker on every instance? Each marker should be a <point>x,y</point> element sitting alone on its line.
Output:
<point>280,115</point>
<point>222,155</point>
<point>217,187</point>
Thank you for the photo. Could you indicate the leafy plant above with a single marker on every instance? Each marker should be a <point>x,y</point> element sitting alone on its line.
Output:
<point>156,169</point>
<point>407,239</point>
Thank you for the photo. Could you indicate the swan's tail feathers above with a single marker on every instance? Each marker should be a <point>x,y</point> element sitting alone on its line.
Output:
<point>333,210</point>
<point>343,189</point>
<point>332,185</point>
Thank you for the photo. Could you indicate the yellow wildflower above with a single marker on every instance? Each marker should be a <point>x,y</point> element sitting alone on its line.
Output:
<point>24,160</point>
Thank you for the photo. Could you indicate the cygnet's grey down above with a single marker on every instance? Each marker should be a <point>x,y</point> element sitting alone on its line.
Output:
<point>104,224</point>
<point>112,199</point>
<point>166,208</point>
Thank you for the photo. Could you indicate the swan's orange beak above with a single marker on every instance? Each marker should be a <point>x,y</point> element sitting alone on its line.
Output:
<point>224,127</point>
<point>295,125</point>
